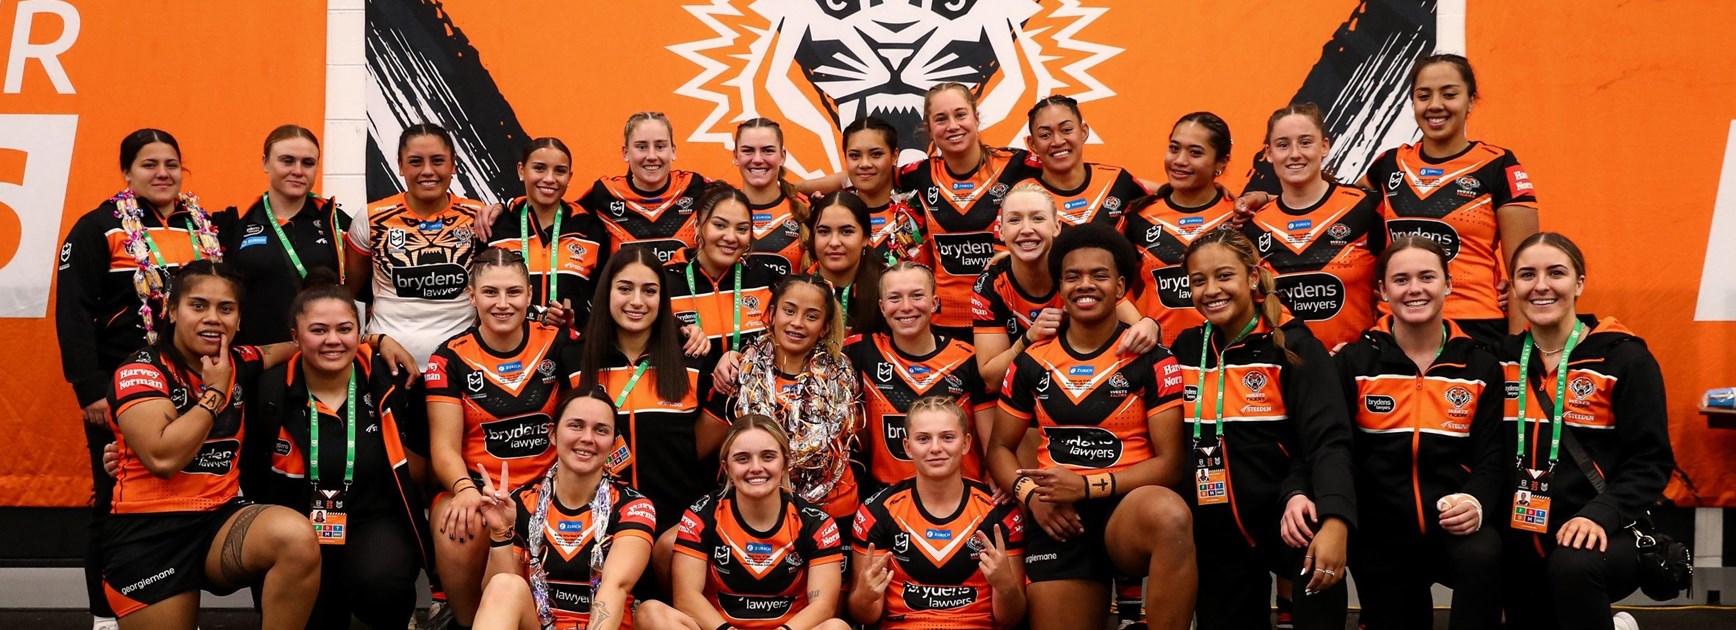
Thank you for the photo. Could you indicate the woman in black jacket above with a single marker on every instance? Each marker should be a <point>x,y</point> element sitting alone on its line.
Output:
<point>1568,551</point>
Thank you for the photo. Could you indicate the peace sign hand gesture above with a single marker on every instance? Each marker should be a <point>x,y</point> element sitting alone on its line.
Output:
<point>997,568</point>
<point>877,573</point>
<point>497,510</point>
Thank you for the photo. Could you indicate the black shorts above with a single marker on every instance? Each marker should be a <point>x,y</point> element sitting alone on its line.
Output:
<point>1083,557</point>
<point>148,558</point>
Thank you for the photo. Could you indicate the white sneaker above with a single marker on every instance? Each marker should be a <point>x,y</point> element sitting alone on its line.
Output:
<point>1624,621</point>
<point>105,623</point>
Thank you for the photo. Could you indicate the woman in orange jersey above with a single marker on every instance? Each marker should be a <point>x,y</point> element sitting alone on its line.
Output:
<point>562,244</point>
<point>779,212</point>
<point>1269,462</point>
<point>839,228</point>
<point>179,525</point>
<point>871,168</point>
<point>1471,197</point>
<point>907,362</point>
<point>1590,384</point>
<point>1427,448</point>
<point>798,374</point>
<point>936,550</point>
<point>415,248</point>
<point>1015,303</point>
<point>754,555</point>
<point>664,441</point>
<point>565,550</point>
<point>1188,205</point>
<point>491,397</point>
<point>717,291</point>
<point>1108,441</point>
<point>115,267</point>
<point>361,492</point>
<point>288,232</point>
<point>1319,236</point>
<point>652,205</point>
<point>1084,192</point>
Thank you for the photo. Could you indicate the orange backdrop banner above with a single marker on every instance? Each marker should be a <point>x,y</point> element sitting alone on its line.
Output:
<point>1595,97</point>
<point>217,74</point>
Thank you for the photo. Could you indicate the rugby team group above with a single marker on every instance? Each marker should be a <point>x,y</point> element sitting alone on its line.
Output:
<point>994,388</point>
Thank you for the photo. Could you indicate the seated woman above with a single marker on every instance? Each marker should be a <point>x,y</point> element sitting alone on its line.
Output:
<point>754,555</point>
<point>942,548</point>
<point>565,550</point>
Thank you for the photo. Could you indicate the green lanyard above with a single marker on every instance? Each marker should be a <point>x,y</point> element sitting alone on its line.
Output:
<point>1560,391</point>
<point>281,239</point>
<point>554,240</point>
<point>693,291</point>
<point>349,426</point>
<point>621,401</point>
<point>1199,404</point>
<point>845,298</point>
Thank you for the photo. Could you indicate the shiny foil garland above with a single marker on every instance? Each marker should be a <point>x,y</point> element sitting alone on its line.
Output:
<point>820,418</point>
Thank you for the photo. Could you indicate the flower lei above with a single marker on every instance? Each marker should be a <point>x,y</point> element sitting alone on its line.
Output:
<point>821,421</point>
<point>601,503</point>
<point>148,277</point>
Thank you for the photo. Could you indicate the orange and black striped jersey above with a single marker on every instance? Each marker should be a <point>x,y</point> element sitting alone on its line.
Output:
<point>892,220</point>
<point>1452,201</point>
<point>999,305</point>
<point>961,213</point>
<point>96,308</point>
<point>1162,231</point>
<point>581,249</point>
<point>421,268</point>
<point>656,452</point>
<point>936,581</point>
<point>845,495</point>
<point>1422,435</point>
<point>1091,408</point>
<point>508,397</point>
<point>758,579</point>
<point>777,234</point>
<point>663,220</point>
<point>1324,256</point>
<point>1101,198</point>
<point>1285,429</point>
<point>710,303</point>
<point>212,478</point>
<point>1615,410</point>
<point>568,534</point>
<point>893,379</point>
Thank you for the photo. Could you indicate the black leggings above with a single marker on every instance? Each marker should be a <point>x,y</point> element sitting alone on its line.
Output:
<point>1235,590</point>
<point>1394,573</point>
<point>102,498</point>
<point>371,576</point>
<point>1559,587</point>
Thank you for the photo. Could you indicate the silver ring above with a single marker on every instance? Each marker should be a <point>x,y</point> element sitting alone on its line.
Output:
<point>1326,571</point>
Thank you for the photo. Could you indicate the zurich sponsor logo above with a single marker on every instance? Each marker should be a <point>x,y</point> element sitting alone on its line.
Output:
<point>1433,172</point>
<point>565,527</point>
<point>252,240</point>
<point>963,186</point>
<point>509,367</point>
<point>1191,221</point>
<point>430,226</point>
<point>758,548</point>
<point>1299,225</point>
<point>919,369</point>
<point>762,217</point>
<point>938,534</point>
<point>1082,370</point>
<point>1075,204</point>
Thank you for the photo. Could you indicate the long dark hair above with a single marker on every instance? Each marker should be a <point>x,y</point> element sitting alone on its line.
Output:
<point>865,287</point>
<point>665,343</point>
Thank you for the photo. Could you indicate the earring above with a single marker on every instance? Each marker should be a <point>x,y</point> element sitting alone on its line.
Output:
<point>1383,298</point>
<point>1447,291</point>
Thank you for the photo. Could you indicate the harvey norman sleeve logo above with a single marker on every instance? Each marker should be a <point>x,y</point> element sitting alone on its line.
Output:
<point>821,64</point>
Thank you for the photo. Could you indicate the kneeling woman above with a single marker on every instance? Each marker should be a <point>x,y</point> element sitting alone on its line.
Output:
<point>366,508</point>
<point>1108,443</point>
<point>566,549</point>
<point>754,555</point>
<point>1569,556</point>
<point>938,543</point>
<point>1429,460</point>
<point>179,525</point>
<point>1270,457</point>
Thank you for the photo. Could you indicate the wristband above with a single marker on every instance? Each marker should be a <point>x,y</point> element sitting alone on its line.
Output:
<point>1023,488</point>
<point>495,544</point>
<point>213,401</point>
<point>1100,485</point>
<point>723,626</point>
